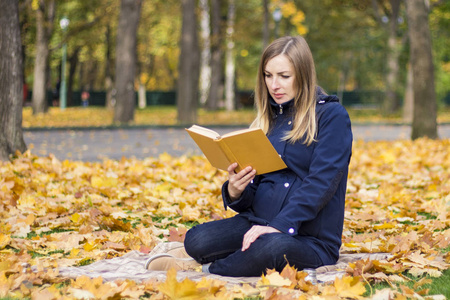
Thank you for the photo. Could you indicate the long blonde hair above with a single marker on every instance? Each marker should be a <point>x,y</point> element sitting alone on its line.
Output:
<point>297,51</point>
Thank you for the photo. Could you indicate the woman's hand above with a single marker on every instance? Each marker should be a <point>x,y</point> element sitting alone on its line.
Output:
<point>254,233</point>
<point>237,182</point>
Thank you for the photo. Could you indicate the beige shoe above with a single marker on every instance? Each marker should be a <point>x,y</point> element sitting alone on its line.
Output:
<point>165,247</point>
<point>176,258</point>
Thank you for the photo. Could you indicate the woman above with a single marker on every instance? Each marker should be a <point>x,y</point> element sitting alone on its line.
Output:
<point>293,215</point>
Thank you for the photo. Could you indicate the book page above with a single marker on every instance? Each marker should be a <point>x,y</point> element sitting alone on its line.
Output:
<point>204,131</point>
<point>237,132</point>
<point>211,149</point>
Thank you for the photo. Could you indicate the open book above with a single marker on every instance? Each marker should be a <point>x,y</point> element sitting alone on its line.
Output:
<point>247,147</point>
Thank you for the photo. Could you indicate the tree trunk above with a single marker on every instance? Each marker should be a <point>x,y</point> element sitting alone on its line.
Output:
<point>408,102</point>
<point>205,69</point>
<point>91,74</point>
<point>73,61</point>
<point>425,108</point>
<point>45,15</point>
<point>142,96</point>
<point>188,66</point>
<point>216,89</point>
<point>108,72</point>
<point>391,101</point>
<point>24,20</point>
<point>126,60</point>
<point>230,63</point>
<point>11,81</point>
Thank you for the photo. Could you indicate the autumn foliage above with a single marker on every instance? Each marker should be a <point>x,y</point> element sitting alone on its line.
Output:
<point>67,213</point>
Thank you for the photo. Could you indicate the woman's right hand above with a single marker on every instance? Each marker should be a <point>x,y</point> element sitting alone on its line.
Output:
<point>237,182</point>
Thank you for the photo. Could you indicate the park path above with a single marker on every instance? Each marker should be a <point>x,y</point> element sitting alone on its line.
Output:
<point>96,144</point>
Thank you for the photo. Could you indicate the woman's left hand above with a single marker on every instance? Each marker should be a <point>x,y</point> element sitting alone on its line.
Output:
<point>254,233</point>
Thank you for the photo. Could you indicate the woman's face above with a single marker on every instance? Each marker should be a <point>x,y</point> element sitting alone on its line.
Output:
<point>280,79</point>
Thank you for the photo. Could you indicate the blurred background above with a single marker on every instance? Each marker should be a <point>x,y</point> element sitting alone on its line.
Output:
<point>361,49</point>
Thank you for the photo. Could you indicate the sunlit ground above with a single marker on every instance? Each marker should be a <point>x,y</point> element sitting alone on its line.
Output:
<point>167,115</point>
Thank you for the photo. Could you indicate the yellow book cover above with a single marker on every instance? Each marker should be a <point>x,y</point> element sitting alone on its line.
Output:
<point>247,147</point>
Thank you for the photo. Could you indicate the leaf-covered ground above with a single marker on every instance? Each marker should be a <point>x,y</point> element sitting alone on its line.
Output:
<point>67,213</point>
<point>167,115</point>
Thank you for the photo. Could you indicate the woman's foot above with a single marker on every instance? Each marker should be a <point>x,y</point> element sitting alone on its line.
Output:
<point>176,258</point>
<point>165,247</point>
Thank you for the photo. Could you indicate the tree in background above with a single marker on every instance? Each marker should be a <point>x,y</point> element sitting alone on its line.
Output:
<point>188,66</point>
<point>205,62</point>
<point>230,66</point>
<point>87,25</point>
<point>158,44</point>
<point>390,19</point>
<point>126,60</point>
<point>425,110</point>
<point>45,15</point>
<point>11,80</point>
<point>350,48</point>
<point>216,87</point>
<point>73,63</point>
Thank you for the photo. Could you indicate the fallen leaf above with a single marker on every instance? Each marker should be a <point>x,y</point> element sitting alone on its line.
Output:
<point>186,290</point>
<point>350,287</point>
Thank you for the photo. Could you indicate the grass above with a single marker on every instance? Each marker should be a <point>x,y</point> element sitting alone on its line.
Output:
<point>438,286</point>
<point>167,116</point>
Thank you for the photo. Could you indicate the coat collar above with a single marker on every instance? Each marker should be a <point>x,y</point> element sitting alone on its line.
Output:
<point>323,98</point>
<point>280,109</point>
<point>288,106</point>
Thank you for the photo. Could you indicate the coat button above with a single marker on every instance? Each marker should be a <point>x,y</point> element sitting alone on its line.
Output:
<point>291,230</point>
<point>290,122</point>
<point>286,184</point>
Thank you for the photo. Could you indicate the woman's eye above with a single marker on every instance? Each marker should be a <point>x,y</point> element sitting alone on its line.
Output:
<point>285,76</point>
<point>267,75</point>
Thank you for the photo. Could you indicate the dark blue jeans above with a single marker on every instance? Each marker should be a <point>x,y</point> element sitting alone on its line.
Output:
<point>219,243</point>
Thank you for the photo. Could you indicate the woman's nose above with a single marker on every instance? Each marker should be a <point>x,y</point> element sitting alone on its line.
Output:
<point>274,83</point>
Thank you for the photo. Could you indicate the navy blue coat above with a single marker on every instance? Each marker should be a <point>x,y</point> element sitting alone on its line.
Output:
<point>308,198</point>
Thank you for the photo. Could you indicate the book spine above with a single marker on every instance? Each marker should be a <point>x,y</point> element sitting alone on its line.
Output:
<point>230,156</point>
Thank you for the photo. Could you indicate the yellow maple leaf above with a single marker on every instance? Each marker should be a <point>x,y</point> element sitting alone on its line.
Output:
<point>30,219</point>
<point>75,218</point>
<point>388,156</point>
<point>104,182</point>
<point>89,247</point>
<point>349,287</point>
<point>384,226</point>
<point>4,240</point>
<point>213,287</point>
<point>166,157</point>
<point>186,289</point>
<point>26,201</point>
<point>74,252</point>
<point>274,279</point>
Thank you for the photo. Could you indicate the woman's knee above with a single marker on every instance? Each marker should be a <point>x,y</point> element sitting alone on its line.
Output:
<point>192,242</point>
<point>282,249</point>
<point>215,239</point>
